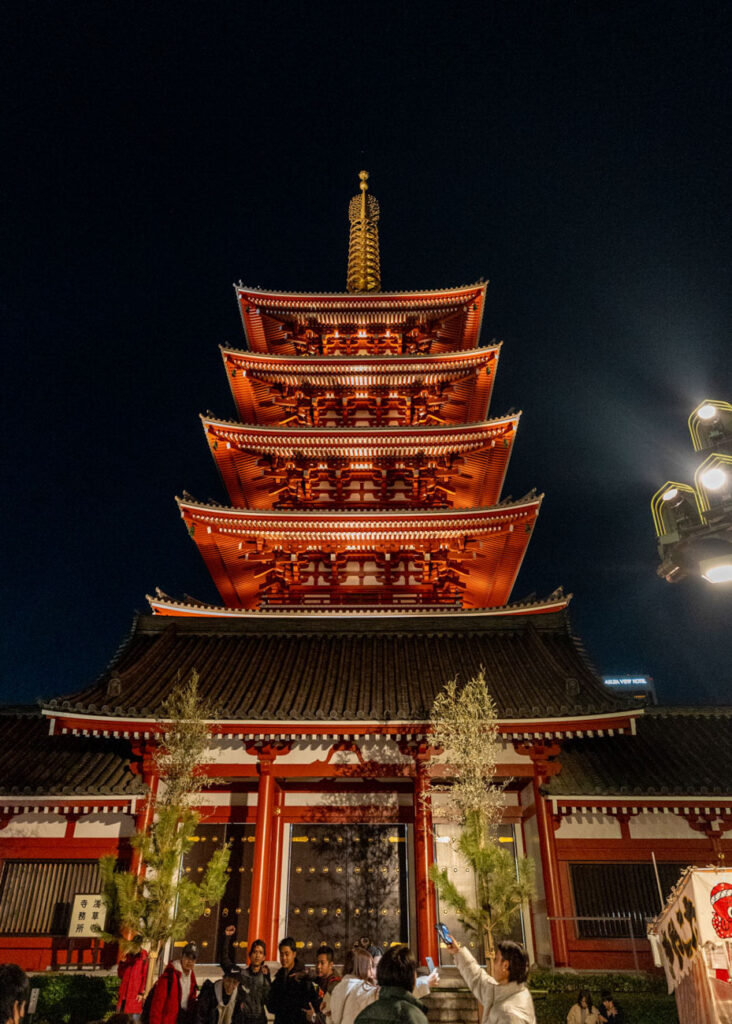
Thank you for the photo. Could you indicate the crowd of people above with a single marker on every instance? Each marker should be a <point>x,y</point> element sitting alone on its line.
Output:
<point>376,987</point>
<point>244,994</point>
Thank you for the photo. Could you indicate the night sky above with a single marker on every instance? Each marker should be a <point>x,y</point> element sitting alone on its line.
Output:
<point>577,155</point>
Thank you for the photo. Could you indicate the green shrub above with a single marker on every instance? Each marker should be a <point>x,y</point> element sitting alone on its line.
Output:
<point>74,998</point>
<point>571,981</point>
<point>639,1007</point>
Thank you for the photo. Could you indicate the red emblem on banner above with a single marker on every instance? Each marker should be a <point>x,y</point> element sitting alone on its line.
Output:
<point>721,900</point>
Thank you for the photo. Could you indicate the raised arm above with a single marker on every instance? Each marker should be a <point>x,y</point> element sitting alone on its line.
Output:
<point>478,981</point>
<point>228,949</point>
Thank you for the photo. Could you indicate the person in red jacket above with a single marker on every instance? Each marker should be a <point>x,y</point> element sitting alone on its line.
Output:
<point>175,992</point>
<point>132,969</point>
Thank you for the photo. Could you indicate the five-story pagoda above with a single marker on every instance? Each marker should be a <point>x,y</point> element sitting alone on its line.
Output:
<point>362,472</point>
<point>364,559</point>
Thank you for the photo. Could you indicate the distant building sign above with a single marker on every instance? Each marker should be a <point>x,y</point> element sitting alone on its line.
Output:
<point>632,686</point>
<point>88,916</point>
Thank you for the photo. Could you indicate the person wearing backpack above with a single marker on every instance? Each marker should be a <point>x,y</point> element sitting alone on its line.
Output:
<point>173,999</point>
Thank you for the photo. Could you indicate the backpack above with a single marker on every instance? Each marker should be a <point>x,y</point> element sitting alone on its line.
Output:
<point>145,1015</point>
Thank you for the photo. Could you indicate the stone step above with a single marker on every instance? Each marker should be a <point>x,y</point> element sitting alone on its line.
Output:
<point>451,1006</point>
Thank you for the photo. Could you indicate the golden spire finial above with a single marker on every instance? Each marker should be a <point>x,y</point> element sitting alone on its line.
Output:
<point>364,272</point>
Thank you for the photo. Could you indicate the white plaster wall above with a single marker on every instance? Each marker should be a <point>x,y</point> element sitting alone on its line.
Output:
<point>508,755</point>
<point>215,799</point>
<point>104,826</point>
<point>588,826</point>
<point>378,748</point>
<point>442,804</point>
<point>228,752</point>
<point>35,826</point>
<point>542,942</point>
<point>384,750</point>
<point>661,826</point>
<point>348,800</point>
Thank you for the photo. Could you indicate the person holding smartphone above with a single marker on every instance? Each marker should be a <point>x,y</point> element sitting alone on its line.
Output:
<point>504,996</point>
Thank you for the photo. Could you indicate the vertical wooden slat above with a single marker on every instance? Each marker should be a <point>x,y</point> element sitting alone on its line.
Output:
<point>615,893</point>
<point>35,894</point>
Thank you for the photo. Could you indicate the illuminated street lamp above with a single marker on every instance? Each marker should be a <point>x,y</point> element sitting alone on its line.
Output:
<point>694,524</point>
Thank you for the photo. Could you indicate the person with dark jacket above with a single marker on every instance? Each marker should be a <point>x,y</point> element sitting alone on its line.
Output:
<point>325,981</point>
<point>397,976</point>
<point>220,1002</point>
<point>292,993</point>
<point>14,993</point>
<point>174,996</point>
<point>610,1011</point>
<point>255,980</point>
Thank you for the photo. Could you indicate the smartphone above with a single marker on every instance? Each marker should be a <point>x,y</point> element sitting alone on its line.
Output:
<point>444,933</point>
<point>430,963</point>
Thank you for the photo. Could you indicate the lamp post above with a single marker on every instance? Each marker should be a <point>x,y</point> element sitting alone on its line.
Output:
<point>694,523</point>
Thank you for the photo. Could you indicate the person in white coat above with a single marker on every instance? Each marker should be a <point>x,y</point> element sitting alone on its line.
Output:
<point>504,997</point>
<point>357,989</point>
<point>583,1011</point>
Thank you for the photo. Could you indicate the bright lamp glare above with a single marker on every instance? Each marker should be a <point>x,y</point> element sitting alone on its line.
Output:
<point>717,570</point>
<point>706,412</point>
<point>714,478</point>
<point>670,494</point>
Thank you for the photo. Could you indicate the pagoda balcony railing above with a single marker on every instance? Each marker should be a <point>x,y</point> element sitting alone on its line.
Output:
<point>374,598</point>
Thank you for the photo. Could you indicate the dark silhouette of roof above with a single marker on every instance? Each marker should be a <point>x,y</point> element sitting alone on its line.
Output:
<point>676,752</point>
<point>33,762</point>
<point>313,668</point>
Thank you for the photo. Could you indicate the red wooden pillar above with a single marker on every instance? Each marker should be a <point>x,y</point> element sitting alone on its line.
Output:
<point>424,850</point>
<point>262,849</point>
<point>545,765</point>
<point>260,902</point>
<point>276,860</point>
<point>144,816</point>
<point>424,855</point>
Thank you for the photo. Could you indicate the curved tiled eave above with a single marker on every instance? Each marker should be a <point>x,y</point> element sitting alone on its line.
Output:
<point>482,548</point>
<point>454,315</point>
<point>259,383</point>
<point>473,458</point>
<point>61,766</point>
<point>262,671</point>
<point>162,604</point>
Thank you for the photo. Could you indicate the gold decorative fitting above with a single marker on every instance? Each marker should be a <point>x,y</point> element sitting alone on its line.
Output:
<point>364,269</point>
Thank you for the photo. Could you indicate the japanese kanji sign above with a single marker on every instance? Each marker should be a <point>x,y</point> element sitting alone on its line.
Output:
<point>88,916</point>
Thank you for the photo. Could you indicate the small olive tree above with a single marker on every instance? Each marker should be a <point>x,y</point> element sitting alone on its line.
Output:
<point>150,909</point>
<point>465,725</point>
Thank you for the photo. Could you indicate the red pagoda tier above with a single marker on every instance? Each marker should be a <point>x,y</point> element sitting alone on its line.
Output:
<point>363,472</point>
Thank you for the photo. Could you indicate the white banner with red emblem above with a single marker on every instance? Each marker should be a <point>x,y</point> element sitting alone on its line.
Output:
<point>697,915</point>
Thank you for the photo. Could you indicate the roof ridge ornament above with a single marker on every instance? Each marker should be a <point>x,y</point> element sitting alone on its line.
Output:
<point>364,270</point>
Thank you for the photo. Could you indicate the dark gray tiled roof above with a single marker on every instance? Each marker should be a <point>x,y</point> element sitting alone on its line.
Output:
<point>32,762</point>
<point>380,668</point>
<point>677,751</point>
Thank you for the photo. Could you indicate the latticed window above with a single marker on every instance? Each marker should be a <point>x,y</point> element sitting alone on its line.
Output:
<point>616,901</point>
<point>36,895</point>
